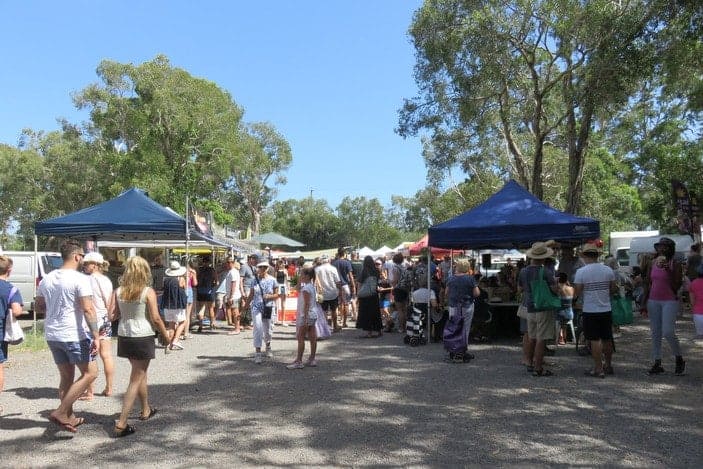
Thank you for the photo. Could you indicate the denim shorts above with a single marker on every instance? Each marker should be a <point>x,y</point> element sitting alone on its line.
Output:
<point>71,352</point>
<point>3,352</point>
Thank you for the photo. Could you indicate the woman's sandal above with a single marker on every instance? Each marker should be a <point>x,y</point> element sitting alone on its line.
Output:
<point>542,372</point>
<point>120,432</point>
<point>152,412</point>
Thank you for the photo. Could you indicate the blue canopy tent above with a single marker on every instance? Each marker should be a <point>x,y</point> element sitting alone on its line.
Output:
<point>512,218</point>
<point>131,216</point>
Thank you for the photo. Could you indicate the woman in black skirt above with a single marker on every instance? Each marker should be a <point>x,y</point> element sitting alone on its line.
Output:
<point>135,305</point>
<point>369,316</point>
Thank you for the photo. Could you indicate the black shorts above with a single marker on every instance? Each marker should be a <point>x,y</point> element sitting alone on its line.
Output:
<point>400,295</point>
<point>330,305</point>
<point>598,326</point>
<point>209,295</point>
<point>137,348</point>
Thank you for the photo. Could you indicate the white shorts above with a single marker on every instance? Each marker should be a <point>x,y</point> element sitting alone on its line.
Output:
<point>174,315</point>
<point>345,298</point>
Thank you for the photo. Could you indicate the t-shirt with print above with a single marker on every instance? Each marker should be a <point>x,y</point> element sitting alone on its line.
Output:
<point>62,290</point>
<point>595,279</point>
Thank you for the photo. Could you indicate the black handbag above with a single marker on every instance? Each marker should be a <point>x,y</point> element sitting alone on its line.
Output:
<point>268,310</point>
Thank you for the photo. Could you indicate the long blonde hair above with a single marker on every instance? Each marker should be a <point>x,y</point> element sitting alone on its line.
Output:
<point>136,277</point>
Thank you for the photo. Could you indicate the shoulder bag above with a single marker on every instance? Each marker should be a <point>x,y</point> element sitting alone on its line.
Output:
<point>542,296</point>
<point>368,288</point>
<point>13,330</point>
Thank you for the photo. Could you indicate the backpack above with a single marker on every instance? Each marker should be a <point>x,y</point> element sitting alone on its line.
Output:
<point>405,278</point>
<point>419,276</point>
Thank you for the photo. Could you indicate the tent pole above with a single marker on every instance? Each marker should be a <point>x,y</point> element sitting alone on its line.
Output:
<point>429,290</point>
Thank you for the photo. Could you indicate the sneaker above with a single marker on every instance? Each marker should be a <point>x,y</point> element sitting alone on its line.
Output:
<point>295,366</point>
<point>680,367</point>
<point>268,353</point>
<point>176,346</point>
<point>656,369</point>
<point>257,358</point>
<point>311,362</point>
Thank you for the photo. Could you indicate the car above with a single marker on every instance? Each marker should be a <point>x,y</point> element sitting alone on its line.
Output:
<point>28,268</point>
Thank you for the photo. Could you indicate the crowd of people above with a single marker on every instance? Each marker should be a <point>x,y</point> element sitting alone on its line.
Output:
<point>83,311</point>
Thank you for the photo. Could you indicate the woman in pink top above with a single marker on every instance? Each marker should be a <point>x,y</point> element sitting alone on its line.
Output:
<point>661,288</point>
<point>695,291</point>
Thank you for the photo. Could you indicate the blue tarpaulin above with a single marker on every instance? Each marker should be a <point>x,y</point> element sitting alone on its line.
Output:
<point>512,218</point>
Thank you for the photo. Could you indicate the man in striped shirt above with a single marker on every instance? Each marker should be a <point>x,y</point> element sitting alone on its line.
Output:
<point>595,283</point>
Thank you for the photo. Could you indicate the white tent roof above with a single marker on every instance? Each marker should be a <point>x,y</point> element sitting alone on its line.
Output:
<point>382,251</point>
<point>366,251</point>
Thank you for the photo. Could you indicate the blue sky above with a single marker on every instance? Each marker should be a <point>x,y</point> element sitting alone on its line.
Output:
<point>329,75</point>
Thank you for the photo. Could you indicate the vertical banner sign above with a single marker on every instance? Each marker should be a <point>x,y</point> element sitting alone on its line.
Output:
<point>200,221</point>
<point>683,207</point>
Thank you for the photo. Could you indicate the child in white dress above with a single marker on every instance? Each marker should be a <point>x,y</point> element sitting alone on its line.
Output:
<point>305,319</point>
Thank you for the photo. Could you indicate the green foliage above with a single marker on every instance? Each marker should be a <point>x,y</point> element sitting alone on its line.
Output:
<point>307,220</point>
<point>503,82</point>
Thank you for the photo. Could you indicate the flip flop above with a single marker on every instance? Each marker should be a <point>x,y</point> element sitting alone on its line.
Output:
<point>593,374</point>
<point>64,425</point>
<point>80,421</point>
<point>542,372</point>
<point>234,333</point>
<point>152,412</point>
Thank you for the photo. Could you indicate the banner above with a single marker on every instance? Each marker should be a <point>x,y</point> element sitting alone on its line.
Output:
<point>686,207</point>
<point>200,221</point>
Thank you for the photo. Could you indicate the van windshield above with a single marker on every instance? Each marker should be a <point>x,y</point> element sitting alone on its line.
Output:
<point>51,262</point>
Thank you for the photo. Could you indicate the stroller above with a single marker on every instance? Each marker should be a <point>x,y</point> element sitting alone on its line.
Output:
<point>415,325</point>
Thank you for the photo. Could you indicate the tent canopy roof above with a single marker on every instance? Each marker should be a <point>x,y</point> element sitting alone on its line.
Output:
<point>277,239</point>
<point>131,215</point>
<point>512,218</point>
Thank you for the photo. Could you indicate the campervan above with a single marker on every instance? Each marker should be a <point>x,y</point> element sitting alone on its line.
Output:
<point>28,268</point>
<point>619,243</point>
<point>646,245</point>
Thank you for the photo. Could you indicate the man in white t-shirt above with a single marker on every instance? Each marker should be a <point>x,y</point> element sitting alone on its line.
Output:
<point>65,297</point>
<point>233,294</point>
<point>594,284</point>
<point>327,277</point>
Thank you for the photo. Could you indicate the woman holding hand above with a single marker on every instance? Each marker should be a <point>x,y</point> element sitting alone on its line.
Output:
<point>135,305</point>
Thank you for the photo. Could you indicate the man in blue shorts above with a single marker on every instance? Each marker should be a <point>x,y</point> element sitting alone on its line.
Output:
<point>71,329</point>
<point>594,284</point>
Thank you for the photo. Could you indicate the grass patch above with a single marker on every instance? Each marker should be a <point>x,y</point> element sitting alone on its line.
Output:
<point>33,340</point>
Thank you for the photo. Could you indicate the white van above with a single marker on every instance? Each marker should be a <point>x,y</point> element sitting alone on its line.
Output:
<point>644,245</point>
<point>27,272</point>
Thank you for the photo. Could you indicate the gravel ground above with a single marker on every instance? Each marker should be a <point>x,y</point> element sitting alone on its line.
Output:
<point>372,402</point>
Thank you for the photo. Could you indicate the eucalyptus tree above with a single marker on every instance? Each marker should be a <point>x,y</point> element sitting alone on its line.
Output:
<point>162,129</point>
<point>310,221</point>
<point>365,222</point>
<point>502,80</point>
<point>256,168</point>
<point>21,196</point>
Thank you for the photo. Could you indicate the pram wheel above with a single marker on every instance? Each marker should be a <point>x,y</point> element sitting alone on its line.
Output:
<point>406,339</point>
<point>414,341</point>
